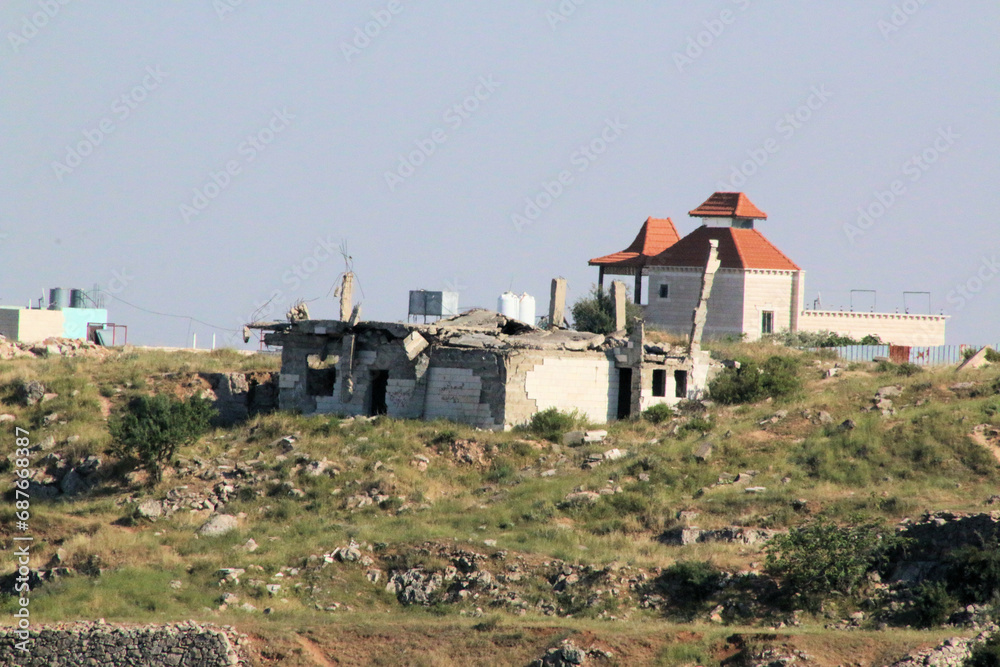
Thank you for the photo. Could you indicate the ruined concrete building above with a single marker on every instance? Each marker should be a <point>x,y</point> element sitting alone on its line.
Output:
<point>479,368</point>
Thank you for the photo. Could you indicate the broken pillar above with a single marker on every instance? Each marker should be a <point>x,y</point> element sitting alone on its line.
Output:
<point>414,344</point>
<point>346,295</point>
<point>618,298</point>
<point>557,304</point>
<point>346,370</point>
<point>701,311</point>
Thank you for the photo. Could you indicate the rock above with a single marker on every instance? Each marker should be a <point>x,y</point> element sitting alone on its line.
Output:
<point>889,391</point>
<point>755,489</point>
<point>581,498</point>
<point>824,417</point>
<point>7,418</point>
<point>149,509</point>
<point>613,454</point>
<point>549,473</point>
<point>249,546</point>
<point>831,372</point>
<point>29,392</point>
<point>284,444</point>
<point>704,451</point>
<point>573,438</point>
<point>218,524</point>
<point>847,425</point>
<point>72,484</point>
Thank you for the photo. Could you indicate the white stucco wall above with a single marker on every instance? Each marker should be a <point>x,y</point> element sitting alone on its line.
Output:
<point>894,328</point>
<point>768,291</point>
<point>586,383</point>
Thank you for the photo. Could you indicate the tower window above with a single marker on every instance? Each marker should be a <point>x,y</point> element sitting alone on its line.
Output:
<point>664,291</point>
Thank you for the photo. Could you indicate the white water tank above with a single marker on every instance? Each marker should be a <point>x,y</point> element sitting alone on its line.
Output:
<point>508,305</point>
<point>526,309</point>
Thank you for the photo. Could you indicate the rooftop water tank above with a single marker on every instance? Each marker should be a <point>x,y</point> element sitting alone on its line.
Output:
<point>508,305</point>
<point>526,309</point>
<point>58,298</point>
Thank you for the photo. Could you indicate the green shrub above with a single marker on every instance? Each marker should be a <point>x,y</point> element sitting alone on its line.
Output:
<point>933,604</point>
<point>820,339</point>
<point>695,425</point>
<point>658,413</point>
<point>552,423</point>
<point>777,377</point>
<point>974,572</point>
<point>151,428</point>
<point>820,558</point>
<point>986,654</point>
<point>905,369</point>
<point>688,585</point>
<point>595,312</point>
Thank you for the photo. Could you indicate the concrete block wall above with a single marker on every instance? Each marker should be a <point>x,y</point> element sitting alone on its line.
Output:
<point>894,328</point>
<point>725,305</point>
<point>583,381</point>
<point>455,394</point>
<point>31,325</point>
<point>768,290</point>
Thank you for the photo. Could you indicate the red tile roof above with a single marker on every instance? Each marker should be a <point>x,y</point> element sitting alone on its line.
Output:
<point>655,236</point>
<point>738,249</point>
<point>728,205</point>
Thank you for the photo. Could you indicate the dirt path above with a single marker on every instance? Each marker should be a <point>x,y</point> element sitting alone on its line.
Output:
<point>313,651</point>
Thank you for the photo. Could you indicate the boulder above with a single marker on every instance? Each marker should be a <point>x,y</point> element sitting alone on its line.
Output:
<point>218,524</point>
<point>30,392</point>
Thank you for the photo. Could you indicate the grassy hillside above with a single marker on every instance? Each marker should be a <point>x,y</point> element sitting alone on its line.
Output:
<point>490,543</point>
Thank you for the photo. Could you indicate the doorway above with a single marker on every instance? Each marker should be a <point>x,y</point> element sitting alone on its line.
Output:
<point>380,385</point>
<point>624,393</point>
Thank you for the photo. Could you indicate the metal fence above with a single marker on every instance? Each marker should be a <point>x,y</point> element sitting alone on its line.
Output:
<point>939,355</point>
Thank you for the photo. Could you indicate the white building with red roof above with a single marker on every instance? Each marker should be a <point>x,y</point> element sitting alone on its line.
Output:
<point>757,290</point>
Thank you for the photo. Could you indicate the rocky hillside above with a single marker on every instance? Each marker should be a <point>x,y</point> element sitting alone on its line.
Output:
<point>673,539</point>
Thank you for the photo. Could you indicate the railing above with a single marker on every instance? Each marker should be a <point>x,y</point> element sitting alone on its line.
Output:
<point>940,355</point>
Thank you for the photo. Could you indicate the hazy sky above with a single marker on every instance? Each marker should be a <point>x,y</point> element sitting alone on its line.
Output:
<point>199,158</point>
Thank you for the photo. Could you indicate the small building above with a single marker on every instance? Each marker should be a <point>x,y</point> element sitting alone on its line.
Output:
<point>757,290</point>
<point>70,314</point>
<point>480,368</point>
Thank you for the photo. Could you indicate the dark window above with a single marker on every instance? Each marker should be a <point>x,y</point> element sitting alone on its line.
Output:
<point>680,384</point>
<point>380,386</point>
<point>664,291</point>
<point>659,383</point>
<point>767,322</point>
<point>321,376</point>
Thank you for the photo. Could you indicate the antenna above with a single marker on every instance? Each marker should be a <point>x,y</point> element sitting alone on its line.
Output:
<point>927,294</point>
<point>868,291</point>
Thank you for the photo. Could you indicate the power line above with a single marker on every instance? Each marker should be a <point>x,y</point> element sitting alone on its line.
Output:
<point>180,317</point>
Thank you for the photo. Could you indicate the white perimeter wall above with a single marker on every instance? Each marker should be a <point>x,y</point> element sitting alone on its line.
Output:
<point>894,328</point>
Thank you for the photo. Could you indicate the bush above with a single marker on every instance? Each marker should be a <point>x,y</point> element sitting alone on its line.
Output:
<point>658,413</point>
<point>986,654</point>
<point>151,428</point>
<point>777,377</point>
<point>974,572</point>
<point>933,604</point>
<point>820,558</point>
<point>820,339</point>
<point>905,369</point>
<point>552,423</point>
<point>595,312</point>
<point>688,585</point>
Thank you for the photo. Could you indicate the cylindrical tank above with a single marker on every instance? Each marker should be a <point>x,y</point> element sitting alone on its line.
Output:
<point>77,298</point>
<point>508,305</point>
<point>526,309</point>
<point>58,298</point>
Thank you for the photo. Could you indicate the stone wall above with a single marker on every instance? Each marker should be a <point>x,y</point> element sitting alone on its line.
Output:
<point>768,291</point>
<point>80,644</point>
<point>584,381</point>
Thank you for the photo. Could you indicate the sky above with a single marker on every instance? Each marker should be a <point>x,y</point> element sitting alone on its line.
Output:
<point>207,162</point>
